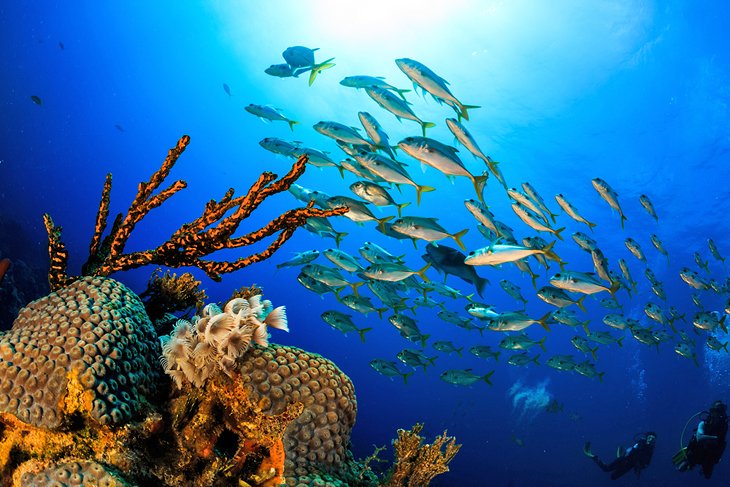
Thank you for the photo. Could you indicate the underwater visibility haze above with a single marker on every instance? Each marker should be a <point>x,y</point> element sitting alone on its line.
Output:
<point>608,121</point>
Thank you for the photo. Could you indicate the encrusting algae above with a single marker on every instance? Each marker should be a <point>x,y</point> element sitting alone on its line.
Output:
<point>89,395</point>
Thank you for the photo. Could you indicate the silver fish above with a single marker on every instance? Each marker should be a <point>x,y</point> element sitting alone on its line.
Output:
<point>610,196</point>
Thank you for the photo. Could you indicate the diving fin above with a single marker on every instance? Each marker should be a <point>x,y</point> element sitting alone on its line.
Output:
<point>679,457</point>
<point>587,450</point>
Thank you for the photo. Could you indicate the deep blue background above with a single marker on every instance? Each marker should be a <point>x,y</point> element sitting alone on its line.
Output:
<point>633,92</point>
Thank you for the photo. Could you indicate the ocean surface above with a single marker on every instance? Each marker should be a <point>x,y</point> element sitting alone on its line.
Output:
<point>636,93</point>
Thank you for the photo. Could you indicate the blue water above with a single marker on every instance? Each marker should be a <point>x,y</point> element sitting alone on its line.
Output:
<point>634,92</point>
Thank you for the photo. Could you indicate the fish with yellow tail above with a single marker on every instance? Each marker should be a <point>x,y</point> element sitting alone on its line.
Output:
<point>515,321</point>
<point>363,81</point>
<point>376,194</point>
<point>537,199</point>
<point>442,157</point>
<point>582,282</point>
<point>467,140</point>
<point>428,229</point>
<point>610,196</point>
<point>358,212</point>
<point>496,254</point>
<point>343,323</point>
<point>391,171</point>
<point>376,133</point>
<point>531,219</point>
<point>464,377</point>
<point>265,112</point>
<point>393,272</point>
<point>342,133</point>
<point>397,106</point>
<point>635,249</point>
<point>301,59</point>
<point>685,350</point>
<point>389,368</point>
<point>571,211</point>
<point>437,86</point>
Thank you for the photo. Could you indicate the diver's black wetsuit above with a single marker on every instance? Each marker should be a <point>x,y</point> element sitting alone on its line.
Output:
<point>635,458</point>
<point>706,452</point>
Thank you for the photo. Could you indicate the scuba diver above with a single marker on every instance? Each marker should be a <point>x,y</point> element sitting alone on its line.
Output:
<point>636,457</point>
<point>707,443</point>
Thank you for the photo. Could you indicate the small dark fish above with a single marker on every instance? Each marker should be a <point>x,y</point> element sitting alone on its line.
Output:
<point>36,100</point>
<point>227,89</point>
<point>60,44</point>
<point>119,127</point>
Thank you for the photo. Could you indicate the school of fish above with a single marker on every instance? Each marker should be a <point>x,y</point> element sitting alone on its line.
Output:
<point>401,294</point>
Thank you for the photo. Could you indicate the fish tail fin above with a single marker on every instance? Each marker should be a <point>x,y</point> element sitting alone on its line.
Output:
<point>406,376</point>
<point>463,113</point>
<point>591,225</point>
<point>292,123</point>
<point>620,342</point>
<point>585,327</point>
<point>422,189</point>
<point>486,377</point>
<point>479,183</point>
<point>543,320</point>
<point>422,272</point>
<point>341,170</point>
<point>380,312</point>
<point>557,232</point>
<point>457,238</point>
<point>318,68</point>
<point>614,287</point>
<point>542,344</point>
<point>496,355</point>
<point>535,359</point>
<point>401,91</point>
<point>383,221</point>
<point>725,347</point>
<point>579,303</point>
<point>458,351</point>
<point>423,344</point>
<point>356,285</point>
<point>481,283</point>
<point>362,333</point>
<point>401,206</point>
<point>623,220</point>
<point>426,125</point>
<point>470,297</point>
<point>338,238</point>
<point>593,352</point>
<point>722,323</point>
<point>600,376</point>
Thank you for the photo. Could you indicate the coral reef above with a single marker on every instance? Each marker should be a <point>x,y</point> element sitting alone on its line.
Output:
<point>68,472</point>
<point>169,293</point>
<point>83,400</point>
<point>417,464</point>
<point>192,242</point>
<point>88,349</point>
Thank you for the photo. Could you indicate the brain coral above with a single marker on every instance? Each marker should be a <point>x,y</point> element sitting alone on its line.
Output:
<point>88,348</point>
<point>318,439</point>
<point>67,473</point>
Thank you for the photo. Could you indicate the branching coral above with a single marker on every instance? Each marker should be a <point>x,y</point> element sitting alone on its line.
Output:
<point>192,242</point>
<point>416,464</point>
<point>195,351</point>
